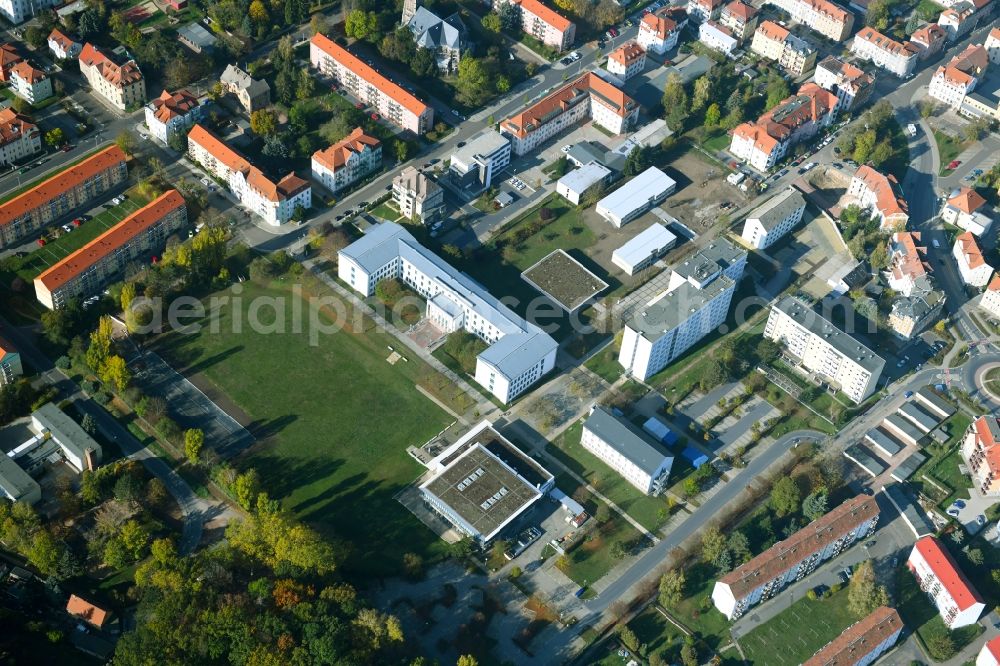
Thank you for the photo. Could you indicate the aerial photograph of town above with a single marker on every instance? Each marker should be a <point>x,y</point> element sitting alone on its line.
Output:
<point>499,332</point>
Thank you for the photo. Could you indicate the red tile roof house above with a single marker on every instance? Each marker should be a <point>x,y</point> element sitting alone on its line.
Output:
<point>981,450</point>
<point>343,163</point>
<point>88,612</point>
<point>172,113</point>
<point>882,194</point>
<point>938,575</point>
<point>120,84</point>
<point>544,23</point>
<point>9,57</point>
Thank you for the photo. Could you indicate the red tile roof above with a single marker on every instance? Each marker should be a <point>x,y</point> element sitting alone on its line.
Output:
<point>970,248</point>
<point>967,200</point>
<point>337,155</point>
<point>859,639</point>
<point>76,263</point>
<point>873,36</point>
<point>829,9</point>
<point>908,258</point>
<point>663,22</point>
<point>740,9</point>
<point>115,74</point>
<point>27,71</point>
<point>994,284</point>
<point>542,11</point>
<point>984,435</point>
<point>61,182</point>
<point>786,554</point>
<point>947,572</point>
<point>170,105</point>
<point>992,646</point>
<point>773,31</point>
<point>14,126</point>
<point>888,198</point>
<point>64,42</point>
<point>6,348</point>
<point>8,56</point>
<point>367,74</point>
<point>600,91</point>
<point>86,611</point>
<point>928,35</point>
<point>627,53</point>
<point>762,141</point>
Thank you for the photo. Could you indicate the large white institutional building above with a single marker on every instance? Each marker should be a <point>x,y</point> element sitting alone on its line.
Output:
<point>694,304</point>
<point>519,353</point>
<point>640,461</point>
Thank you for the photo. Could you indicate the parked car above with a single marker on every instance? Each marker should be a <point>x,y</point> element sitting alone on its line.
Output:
<point>954,164</point>
<point>908,394</point>
<point>959,503</point>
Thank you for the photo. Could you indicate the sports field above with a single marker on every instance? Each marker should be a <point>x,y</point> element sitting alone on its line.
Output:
<point>335,420</point>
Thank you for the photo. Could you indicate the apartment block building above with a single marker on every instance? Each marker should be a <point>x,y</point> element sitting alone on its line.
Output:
<point>18,11</point>
<point>852,85</point>
<point>863,642</point>
<point>717,37</point>
<point>981,454</point>
<point>47,202</point>
<point>519,352</point>
<point>89,270</point>
<point>121,84</point>
<point>762,143</point>
<point>276,202</point>
<point>19,137</point>
<point>392,101</point>
<point>964,208</point>
<point>30,83</point>
<point>958,20</point>
<point>794,55</point>
<point>885,52</point>
<point>695,303</point>
<point>930,39</point>
<point>62,47</point>
<point>796,557</point>
<point>992,46</point>
<point>171,114</point>
<point>10,362</point>
<point>952,82</point>
<point>700,11</point>
<point>990,654</point>
<point>417,196</point>
<point>990,300</point>
<point>347,161</point>
<point>474,165</point>
<point>774,218</point>
<point>544,23</point>
<point>825,17</point>
<point>880,194</point>
<point>589,96</point>
<point>627,60</point>
<point>909,269</point>
<point>739,18</point>
<point>824,350</point>
<point>660,29</point>
<point>642,462</point>
<point>940,577</point>
<point>972,266</point>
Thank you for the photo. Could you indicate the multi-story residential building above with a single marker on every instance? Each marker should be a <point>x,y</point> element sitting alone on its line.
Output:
<point>695,303</point>
<point>792,54</point>
<point>659,30</point>
<point>120,84</point>
<point>990,300</point>
<point>981,452</point>
<point>29,83</point>
<point>880,194</point>
<point>17,11</point>
<point>61,194</point>
<point>589,96</point>
<point>885,52</point>
<point>764,142</point>
<point>908,266</point>
<point>251,93</point>
<point>958,19</point>
<point>930,39</point>
<point>739,18</point>
<point>823,349</point>
<point>350,159</point>
<point>627,60</point>
<point>717,37</point>
<point>172,114</point>
<point>790,560</point>
<point>912,314</point>
<point>968,255</point>
<point>863,642</point>
<point>417,196</point>
<point>627,450</point>
<point>395,104</point>
<point>10,362</point>
<point>852,85</point>
<point>990,654</point>
<point>445,37</point>
<point>952,82</point>
<point>474,165</point>
<point>939,576</point>
<point>543,23</point>
<point>277,202</point>
<point>519,352</point>
<point>992,46</point>
<point>774,218</point>
<point>964,208</point>
<point>19,138</point>
<point>700,11</point>
<point>9,56</point>
<point>89,270</point>
<point>826,18</point>
<point>62,47</point>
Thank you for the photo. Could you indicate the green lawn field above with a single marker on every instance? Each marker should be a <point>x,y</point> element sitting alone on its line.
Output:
<point>336,419</point>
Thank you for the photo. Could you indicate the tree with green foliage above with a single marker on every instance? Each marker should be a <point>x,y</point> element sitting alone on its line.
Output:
<point>675,103</point>
<point>671,589</point>
<point>713,543</point>
<point>491,22</point>
<point>864,594</point>
<point>628,638</point>
<point>55,137</point>
<point>814,505</point>
<point>638,160</point>
<point>194,440</point>
<point>785,496</point>
<point>713,115</point>
<point>360,24</point>
<point>777,91</point>
<point>473,82</point>
<point>877,15</point>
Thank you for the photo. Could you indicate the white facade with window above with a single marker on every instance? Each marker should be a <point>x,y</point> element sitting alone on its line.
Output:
<point>942,580</point>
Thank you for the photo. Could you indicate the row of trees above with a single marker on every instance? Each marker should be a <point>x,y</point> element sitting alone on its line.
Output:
<point>697,104</point>
<point>876,140</point>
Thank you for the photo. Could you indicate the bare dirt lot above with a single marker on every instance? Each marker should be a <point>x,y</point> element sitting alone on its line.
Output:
<point>701,189</point>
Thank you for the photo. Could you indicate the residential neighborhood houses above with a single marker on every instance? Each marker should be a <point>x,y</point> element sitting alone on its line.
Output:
<point>626,333</point>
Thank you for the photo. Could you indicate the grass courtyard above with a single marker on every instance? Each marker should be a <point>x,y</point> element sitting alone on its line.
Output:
<point>949,147</point>
<point>334,419</point>
<point>795,635</point>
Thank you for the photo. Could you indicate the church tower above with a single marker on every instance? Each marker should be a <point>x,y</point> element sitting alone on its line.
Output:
<point>409,9</point>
